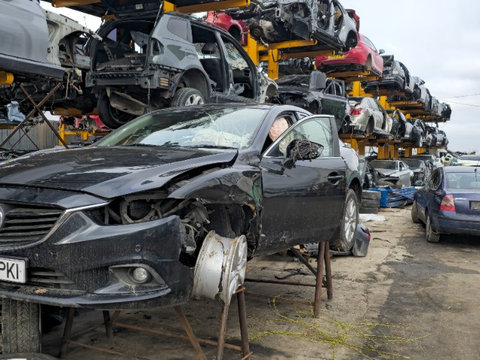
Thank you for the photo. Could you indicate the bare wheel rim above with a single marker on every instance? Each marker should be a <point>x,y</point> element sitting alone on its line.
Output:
<point>350,220</point>
<point>194,99</point>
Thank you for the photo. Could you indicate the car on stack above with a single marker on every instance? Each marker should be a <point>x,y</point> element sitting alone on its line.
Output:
<point>367,116</point>
<point>363,57</point>
<point>317,94</point>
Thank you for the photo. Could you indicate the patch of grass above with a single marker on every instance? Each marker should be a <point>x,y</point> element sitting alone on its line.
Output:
<point>370,340</point>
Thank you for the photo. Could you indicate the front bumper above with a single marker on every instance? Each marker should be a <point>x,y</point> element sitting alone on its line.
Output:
<point>83,264</point>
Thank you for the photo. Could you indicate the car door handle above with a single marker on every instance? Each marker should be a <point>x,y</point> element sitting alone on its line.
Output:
<point>334,178</point>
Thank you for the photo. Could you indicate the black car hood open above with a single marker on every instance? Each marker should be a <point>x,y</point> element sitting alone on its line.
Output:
<point>110,171</point>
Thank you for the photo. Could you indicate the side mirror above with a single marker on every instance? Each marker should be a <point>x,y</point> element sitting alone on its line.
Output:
<point>301,149</point>
<point>381,51</point>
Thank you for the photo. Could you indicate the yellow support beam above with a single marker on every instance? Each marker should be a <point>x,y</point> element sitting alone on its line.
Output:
<point>273,64</point>
<point>6,78</point>
<point>382,151</point>
<point>168,6</point>
<point>214,5</point>
<point>357,90</point>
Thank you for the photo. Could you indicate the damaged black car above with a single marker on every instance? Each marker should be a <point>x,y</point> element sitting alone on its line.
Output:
<point>125,223</point>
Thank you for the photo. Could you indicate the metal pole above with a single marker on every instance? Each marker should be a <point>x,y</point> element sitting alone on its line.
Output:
<point>328,271</point>
<point>67,332</point>
<point>242,318</point>
<point>191,336</point>
<point>108,324</point>
<point>318,287</point>
<point>222,330</point>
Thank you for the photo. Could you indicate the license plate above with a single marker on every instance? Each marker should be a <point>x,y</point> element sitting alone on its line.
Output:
<point>475,205</point>
<point>336,56</point>
<point>13,270</point>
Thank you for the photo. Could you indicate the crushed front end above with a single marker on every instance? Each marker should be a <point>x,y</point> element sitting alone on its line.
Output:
<point>69,256</point>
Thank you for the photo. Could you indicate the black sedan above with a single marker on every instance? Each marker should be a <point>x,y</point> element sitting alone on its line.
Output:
<point>449,203</point>
<point>122,224</point>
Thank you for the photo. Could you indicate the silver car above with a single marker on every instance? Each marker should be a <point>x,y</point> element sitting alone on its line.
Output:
<point>393,171</point>
<point>368,116</point>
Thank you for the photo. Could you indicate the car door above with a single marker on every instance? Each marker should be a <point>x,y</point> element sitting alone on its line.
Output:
<point>426,196</point>
<point>302,203</point>
<point>242,74</point>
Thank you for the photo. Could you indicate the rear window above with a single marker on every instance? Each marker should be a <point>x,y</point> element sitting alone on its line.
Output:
<point>464,181</point>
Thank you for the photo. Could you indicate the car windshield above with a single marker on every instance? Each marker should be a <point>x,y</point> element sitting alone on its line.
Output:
<point>464,181</point>
<point>232,127</point>
<point>413,163</point>
<point>384,164</point>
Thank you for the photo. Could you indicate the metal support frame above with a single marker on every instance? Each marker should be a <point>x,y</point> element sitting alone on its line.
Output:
<point>110,321</point>
<point>354,76</point>
<point>37,108</point>
<point>323,267</point>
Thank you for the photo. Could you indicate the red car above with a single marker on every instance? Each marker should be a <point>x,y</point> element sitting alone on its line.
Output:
<point>235,27</point>
<point>362,57</point>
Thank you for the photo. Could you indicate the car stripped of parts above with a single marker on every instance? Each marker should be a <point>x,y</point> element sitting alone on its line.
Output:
<point>67,39</point>
<point>145,63</point>
<point>317,94</point>
<point>392,172</point>
<point>124,223</point>
<point>280,20</point>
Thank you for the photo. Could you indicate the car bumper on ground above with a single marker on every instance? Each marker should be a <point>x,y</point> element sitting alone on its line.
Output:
<point>83,264</point>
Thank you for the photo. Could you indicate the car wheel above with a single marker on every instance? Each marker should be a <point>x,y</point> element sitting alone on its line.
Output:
<point>110,116</point>
<point>414,212</point>
<point>187,96</point>
<point>20,327</point>
<point>430,234</point>
<point>348,223</point>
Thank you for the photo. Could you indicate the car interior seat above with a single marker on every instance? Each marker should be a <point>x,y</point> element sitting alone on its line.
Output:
<point>213,65</point>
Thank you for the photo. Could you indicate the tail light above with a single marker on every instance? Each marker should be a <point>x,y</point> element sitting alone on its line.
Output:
<point>356,111</point>
<point>448,203</point>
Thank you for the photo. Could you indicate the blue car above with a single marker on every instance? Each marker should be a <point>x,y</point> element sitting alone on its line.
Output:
<point>449,203</point>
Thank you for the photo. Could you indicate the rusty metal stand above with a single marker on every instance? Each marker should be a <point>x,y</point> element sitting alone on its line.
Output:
<point>37,108</point>
<point>109,321</point>
<point>323,266</point>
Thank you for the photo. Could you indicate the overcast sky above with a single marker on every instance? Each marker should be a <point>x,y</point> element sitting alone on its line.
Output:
<point>438,40</point>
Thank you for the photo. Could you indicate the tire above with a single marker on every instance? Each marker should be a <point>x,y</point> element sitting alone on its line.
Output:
<point>370,203</point>
<point>20,327</point>
<point>348,224</point>
<point>371,195</point>
<point>187,96</point>
<point>430,234</point>
<point>414,212</point>
<point>110,116</point>
<point>369,210</point>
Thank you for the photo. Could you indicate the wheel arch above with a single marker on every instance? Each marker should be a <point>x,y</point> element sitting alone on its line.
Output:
<point>193,78</point>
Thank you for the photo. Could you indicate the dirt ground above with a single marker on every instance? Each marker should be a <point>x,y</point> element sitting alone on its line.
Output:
<point>407,299</point>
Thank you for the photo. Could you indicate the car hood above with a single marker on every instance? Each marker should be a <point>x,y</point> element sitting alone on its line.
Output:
<point>108,172</point>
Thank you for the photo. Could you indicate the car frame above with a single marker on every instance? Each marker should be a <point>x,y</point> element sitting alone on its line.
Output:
<point>149,195</point>
<point>367,116</point>
<point>177,60</point>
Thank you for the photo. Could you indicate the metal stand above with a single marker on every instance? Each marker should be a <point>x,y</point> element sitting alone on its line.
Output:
<point>109,321</point>
<point>37,108</point>
<point>323,264</point>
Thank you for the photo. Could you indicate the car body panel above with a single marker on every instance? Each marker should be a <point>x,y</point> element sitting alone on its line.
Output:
<point>394,171</point>
<point>371,114</point>
<point>23,50</point>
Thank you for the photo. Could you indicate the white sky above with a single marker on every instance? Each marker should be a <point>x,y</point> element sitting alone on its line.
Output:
<point>438,40</point>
